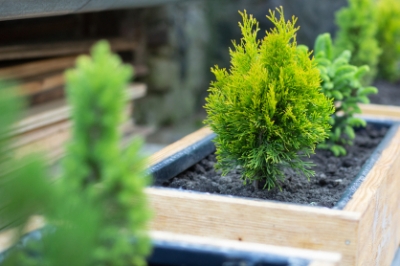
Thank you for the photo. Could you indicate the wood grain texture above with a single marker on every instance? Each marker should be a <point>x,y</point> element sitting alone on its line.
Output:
<point>52,139</point>
<point>42,85</point>
<point>317,258</point>
<point>378,200</point>
<point>179,145</point>
<point>59,110</point>
<point>255,221</point>
<point>380,111</point>
<point>37,68</point>
<point>14,52</point>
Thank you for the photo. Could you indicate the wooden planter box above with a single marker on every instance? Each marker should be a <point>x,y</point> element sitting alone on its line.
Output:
<point>364,227</point>
<point>177,249</point>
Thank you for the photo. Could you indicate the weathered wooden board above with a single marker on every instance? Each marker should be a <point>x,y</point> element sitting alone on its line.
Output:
<point>378,201</point>
<point>39,50</point>
<point>42,85</point>
<point>59,110</point>
<point>366,232</point>
<point>316,258</point>
<point>37,68</point>
<point>255,221</point>
<point>380,111</point>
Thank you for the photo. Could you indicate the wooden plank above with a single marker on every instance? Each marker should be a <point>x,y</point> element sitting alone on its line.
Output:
<point>7,237</point>
<point>41,134</point>
<point>179,145</point>
<point>38,86</point>
<point>378,200</point>
<point>59,110</point>
<point>15,52</point>
<point>317,258</point>
<point>54,81</point>
<point>255,221</point>
<point>380,111</point>
<point>37,68</point>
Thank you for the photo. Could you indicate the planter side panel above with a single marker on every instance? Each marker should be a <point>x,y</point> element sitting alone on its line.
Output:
<point>255,221</point>
<point>378,200</point>
<point>380,111</point>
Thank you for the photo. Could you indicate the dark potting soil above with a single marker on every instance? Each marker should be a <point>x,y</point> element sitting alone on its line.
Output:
<point>332,175</point>
<point>388,93</point>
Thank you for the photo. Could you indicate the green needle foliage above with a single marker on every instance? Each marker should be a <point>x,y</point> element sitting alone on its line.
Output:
<point>23,187</point>
<point>342,82</point>
<point>96,165</point>
<point>389,39</point>
<point>25,190</point>
<point>357,33</point>
<point>96,213</point>
<point>267,110</point>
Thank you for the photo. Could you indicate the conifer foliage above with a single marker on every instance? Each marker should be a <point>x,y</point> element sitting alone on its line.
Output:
<point>267,109</point>
<point>112,178</point>
<point>342,82</point>
<point>388,36</point>
<point>357,33</point>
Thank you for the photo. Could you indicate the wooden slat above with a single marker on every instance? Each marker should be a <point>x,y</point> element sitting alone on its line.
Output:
<point>255,221</point>
<point>179,145</point>
<point>37,68</point>
<point>317,258</point>
<point>44,67</point>
<point>59,110</point>
<point>52,145</point>
<point>45,84</point>
<point>378,199</point>
<point>14,52</point>
<point>381,111</point>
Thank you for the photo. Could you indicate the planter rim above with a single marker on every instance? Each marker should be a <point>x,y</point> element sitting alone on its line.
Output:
<point>198,251</point>
<point>192,154</point>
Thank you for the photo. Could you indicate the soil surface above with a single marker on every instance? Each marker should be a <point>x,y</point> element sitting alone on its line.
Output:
<point>388,93</point>
<point>332,175</point>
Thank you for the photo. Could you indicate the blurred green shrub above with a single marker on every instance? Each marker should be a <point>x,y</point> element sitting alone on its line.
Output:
<point>342,82</point>
<point>357,34</point>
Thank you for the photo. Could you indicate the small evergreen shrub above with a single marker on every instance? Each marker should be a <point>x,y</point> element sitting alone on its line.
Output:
<point>112,178</point>
<point>267,109</point>
<point>342,82</point>
<point>96,213</point>
<point>357,33</point>
<point>389,39</point>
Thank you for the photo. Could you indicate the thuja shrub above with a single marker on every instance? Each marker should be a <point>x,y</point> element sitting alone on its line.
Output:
<point>389,39</point>
<point>267,110</point>
<point>114,179</point>
<point>357,29</point>
<point>341,81</point>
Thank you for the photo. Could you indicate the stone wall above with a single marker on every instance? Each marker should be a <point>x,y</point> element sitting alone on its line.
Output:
<point>185,39</point>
